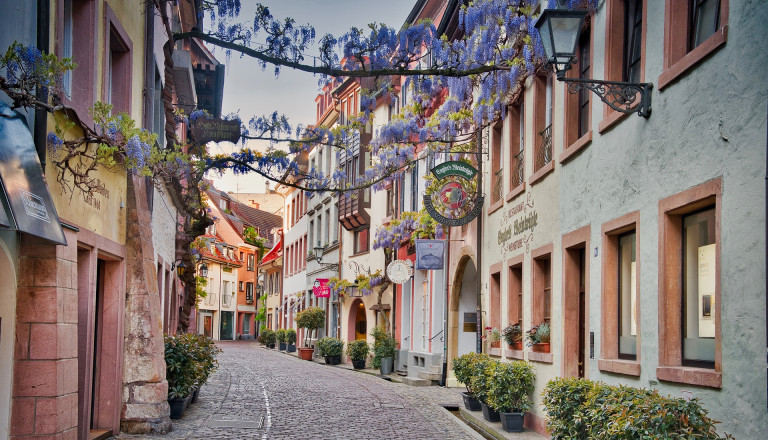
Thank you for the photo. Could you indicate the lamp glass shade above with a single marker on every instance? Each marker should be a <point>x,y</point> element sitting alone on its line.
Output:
<point>180,268</point>
<point>204,270</point>
<point>319,250</point>
<point>559,30</point>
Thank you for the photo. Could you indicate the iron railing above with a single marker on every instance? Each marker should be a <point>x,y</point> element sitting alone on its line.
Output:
<point>498,186</point>
<point>544,152</point>
<point>518,172</point>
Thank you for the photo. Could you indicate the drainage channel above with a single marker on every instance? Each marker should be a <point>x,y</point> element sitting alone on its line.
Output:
<point>454,409</point>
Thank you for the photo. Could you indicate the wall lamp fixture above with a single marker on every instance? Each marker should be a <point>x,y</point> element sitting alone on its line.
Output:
<point>559,29</point>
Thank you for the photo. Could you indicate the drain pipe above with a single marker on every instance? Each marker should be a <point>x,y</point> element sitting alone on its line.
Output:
<point>479,246</point>
<point>765,221</point>
<point>446,262</point>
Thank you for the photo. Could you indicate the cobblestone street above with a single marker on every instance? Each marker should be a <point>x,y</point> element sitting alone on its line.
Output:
<point>260,393</point>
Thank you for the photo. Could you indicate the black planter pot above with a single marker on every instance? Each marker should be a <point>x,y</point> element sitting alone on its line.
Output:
<point>283,345</point>
<point>489,413</point>
<point>195,394</point>
<point>333,360</point>
<point>358,365</point>
<point>470,402</point>
<point>270,345</point>
<point>177,408</point>
<point>512,421</point>
<point>291,348</point>
<point>187,400</point>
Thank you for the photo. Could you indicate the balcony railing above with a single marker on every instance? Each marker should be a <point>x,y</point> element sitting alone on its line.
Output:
<point>498,186</point>
<point>544,152</point>
<point>518,173</point>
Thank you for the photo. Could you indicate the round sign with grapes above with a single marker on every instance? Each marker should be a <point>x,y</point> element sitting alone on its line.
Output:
<point>452,198</point>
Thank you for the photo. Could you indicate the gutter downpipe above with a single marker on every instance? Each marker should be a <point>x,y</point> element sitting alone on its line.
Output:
<point>40,126</point>
<point>446,265</point>
<point>765,220</point>
<point>479,244</point>
<point>149,71</point>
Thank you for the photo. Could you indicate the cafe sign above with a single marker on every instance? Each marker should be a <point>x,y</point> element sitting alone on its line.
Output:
<point>455,203</point>
<point>215,130</point>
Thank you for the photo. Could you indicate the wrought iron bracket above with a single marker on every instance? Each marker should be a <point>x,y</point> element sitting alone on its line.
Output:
<point>332,266</point>
<point>620,96</point>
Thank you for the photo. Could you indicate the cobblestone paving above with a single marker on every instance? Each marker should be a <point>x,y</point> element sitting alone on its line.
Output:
<point>260,393</point>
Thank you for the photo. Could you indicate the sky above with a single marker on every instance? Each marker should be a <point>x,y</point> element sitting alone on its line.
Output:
<point>250,91</point>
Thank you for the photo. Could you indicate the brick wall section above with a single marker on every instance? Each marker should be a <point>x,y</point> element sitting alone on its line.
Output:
<point>145,390</point>
<point>45,359</point>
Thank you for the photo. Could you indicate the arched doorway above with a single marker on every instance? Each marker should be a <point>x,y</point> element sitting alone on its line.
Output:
<point>358,321</point>
<point>463,316</point>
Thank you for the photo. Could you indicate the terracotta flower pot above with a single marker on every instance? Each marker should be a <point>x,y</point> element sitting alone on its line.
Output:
<point>541,347</point>
<point>305,353</point>
<point>516,346</point>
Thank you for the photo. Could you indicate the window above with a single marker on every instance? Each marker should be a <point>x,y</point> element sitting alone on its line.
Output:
<point>327,226</point>
<point>415,187</point>
<point>361,240</point>
<point>584,73</point>
<point>66,47</point>
<point>312,236</point>
<point>689,291</point>
<point>516,147</point>
<point>578,106</point>
<point>494,308</point>
<point>541,304</point>
<point>117,65</point>
<point>542,110</point>
<point>620,324</point>
<point>633,21</point>
<point>497,158</point>
<point>515,292</point>
<point>693,30</point>
<point>246,325</point>
<point>625,34</point>
<point>249,291</point>
<point>251,262</point>
<point>240,286</point>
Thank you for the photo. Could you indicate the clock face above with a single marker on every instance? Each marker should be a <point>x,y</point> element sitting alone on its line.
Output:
<point>399,271</point>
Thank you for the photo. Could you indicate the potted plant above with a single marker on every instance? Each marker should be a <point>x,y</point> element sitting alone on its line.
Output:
<point>358,352</point>
<point>482,378</point>
<point>268,338</point>
<point>311,318</point>
<point>290,340</point>
<point>509,393</point>
<point>280,335</point>
<point>180,372</point>
<point>384,349</point>
<point>492,336</point>
<point>204,352</point>
<point>331,349</point>
<point>513,334</point>
<point>464,369</point>
<point>538,337</point>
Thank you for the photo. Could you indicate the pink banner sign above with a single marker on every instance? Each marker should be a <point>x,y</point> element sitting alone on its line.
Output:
<point>320,288</point>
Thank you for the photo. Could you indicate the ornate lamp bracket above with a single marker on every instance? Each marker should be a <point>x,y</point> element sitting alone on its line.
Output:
<point>620,96</point>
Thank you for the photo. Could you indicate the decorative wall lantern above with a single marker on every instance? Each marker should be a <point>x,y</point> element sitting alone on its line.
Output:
<point>204,270</point>
<point>319,251</point>
<point>180,267</point>
<point>559,30</point>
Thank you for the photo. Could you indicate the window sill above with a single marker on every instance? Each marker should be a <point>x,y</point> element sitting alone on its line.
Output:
<point>611,118</point>
<point>619,366</point>
<point>690,375</point>
<point>575,147</point>
<point>495,206</point>
<point>360,253</point>
<point>542,172</point>
<point>514,354</point>
<point>494,352</point>
<point>540,357</point>
<point>516,191</point>
<point>692,58</point>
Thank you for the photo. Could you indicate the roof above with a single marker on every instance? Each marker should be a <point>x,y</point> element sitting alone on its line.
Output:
<point>216,254</point>
<point>241,215</point>
<point>273,254</point>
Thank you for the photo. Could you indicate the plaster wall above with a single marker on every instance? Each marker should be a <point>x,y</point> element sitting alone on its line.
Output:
<point>710,123</point>
<point>297,282</point>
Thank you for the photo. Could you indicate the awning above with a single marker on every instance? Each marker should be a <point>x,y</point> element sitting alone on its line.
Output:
<point>384,307</point>
<point>26,203</point>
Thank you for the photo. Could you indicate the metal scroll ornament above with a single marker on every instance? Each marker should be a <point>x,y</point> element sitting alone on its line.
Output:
<point>456,202</point>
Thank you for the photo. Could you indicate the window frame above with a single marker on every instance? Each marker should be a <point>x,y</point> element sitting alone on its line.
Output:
<point>575,141</point>
<point>671,211</point>
<point>679,58</point>
<point>516,135</point>
<point>542,113</point>
<point>114,29</point>
<point>515,302</point>
<point>494,297</point>
<point>610,360</point>
<point>540,279</point>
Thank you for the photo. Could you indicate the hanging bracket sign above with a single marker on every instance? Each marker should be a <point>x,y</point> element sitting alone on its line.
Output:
<point>400,271</point>
<point>456,202</point>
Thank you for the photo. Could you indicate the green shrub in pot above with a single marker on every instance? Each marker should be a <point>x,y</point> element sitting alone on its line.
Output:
<point>358,350</point>
<point>511,385</point>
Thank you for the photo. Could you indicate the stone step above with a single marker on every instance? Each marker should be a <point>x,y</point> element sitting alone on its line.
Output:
<point>415,382</point>
<point>436,369</point>
<point>430,376</point>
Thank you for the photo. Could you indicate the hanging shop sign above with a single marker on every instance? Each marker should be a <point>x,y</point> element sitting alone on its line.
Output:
<point>457,201</point>
<point>215,130</point>
<point>400,271</point>
<point>320,289</point>
<point>429,254</point>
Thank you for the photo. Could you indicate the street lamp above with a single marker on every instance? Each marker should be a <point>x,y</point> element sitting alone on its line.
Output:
<point>559,30</point>
<point>180,268</point>
<point>204,270</point>
<point>319,251</point>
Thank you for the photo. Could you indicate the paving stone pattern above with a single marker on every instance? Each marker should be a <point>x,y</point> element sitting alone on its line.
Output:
<point>261,393</point>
